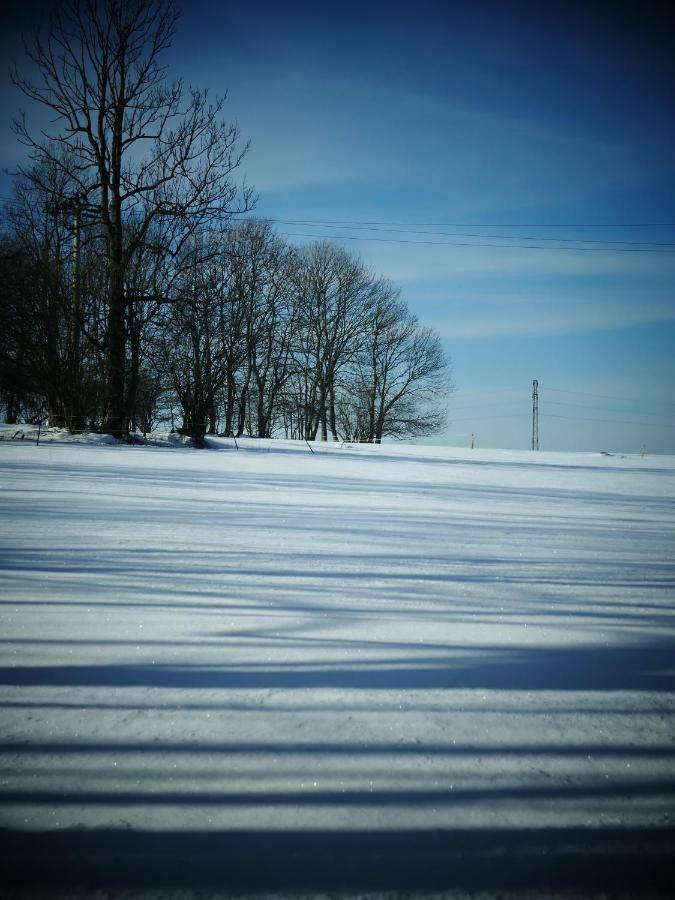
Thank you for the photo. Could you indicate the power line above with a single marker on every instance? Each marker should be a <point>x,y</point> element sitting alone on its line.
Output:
<point>584,394</point>
<point>483,405</point>
<point>601,408</point>
<point>355,226</point>
<point>476,419</point>
<point>496,390</point>
<point>351,237</point>
<point>612,421</point>
<point>408,226</point>
<point>498,225</point>
<point>519,403</point>
<point>481,418</point>
<point>383,227</point>
<point>599,396</point>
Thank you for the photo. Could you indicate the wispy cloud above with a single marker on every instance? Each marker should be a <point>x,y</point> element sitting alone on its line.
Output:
<point>410,264</point>
<point>564,316</point>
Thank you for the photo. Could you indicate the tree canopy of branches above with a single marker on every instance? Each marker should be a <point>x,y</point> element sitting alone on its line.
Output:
<point>130,295</point>
<point>261,337</point>
<point>146,161</point>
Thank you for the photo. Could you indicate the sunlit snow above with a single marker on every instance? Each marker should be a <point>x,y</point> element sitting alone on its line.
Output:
<point>364,640</point>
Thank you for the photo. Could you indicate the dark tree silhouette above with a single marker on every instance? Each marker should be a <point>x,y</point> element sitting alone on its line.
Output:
<point>134,148</point>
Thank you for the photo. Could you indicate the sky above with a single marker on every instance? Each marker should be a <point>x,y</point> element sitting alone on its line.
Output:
<point>547,129</point>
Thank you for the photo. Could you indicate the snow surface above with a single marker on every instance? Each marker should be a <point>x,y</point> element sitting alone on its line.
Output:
<point>370,648</point>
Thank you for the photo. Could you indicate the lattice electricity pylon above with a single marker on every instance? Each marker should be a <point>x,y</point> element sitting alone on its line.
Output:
<point>535,414</point>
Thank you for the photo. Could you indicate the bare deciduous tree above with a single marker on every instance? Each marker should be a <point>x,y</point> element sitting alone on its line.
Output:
<point>54,281</point>
<point>134,148</point>
<point>401,377</point>
<point>334,291</point>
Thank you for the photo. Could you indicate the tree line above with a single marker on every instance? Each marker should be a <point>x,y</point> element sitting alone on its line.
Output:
<point>137,287</point>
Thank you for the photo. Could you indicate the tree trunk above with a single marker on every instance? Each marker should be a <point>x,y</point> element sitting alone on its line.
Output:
<point>379,427</point>
<point>262,415</point>
<point>115,421</point>
<point>54,411</point>
<point>13,404</point>
<point>324,419</point>
<point>229,404</point>
<point>243,400</point>
<point>333,421</point>
<point>54,369</point>
<point>134,370</point>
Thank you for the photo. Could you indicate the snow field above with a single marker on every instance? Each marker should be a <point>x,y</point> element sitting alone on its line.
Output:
<point>363,639</point>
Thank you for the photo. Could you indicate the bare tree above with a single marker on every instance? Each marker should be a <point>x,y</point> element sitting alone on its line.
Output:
<point>134,148</point>
<point>334,294</point>
<point>189,351</point>
<point>20,353</point>
<point>401,378</point>
<point>261,266</point>
<point>53,299</point>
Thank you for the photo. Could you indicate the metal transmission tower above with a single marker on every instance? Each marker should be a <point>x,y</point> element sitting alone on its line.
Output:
<point>535,414</point>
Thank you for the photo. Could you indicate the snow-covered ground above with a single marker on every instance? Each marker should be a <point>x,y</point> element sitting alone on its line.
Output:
<point>366,668</point>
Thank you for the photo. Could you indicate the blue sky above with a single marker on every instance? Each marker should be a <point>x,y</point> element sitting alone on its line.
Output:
<point>533,121</point>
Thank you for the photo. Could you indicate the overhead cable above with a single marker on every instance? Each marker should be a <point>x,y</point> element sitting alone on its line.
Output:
<point>355,226</point>
<point>350,237</point>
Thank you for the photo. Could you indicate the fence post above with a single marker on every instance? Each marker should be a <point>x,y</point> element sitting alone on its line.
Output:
<point>37,443</point>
